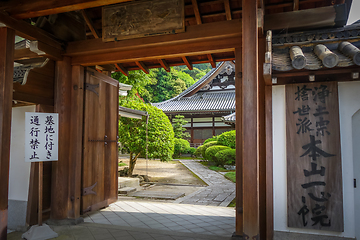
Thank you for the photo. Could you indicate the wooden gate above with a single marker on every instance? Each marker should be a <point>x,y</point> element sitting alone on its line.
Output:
<point>100,157</point>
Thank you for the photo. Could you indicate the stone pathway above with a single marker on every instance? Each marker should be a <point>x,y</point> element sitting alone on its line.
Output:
<point>180,218</point>
<point>220,191</point>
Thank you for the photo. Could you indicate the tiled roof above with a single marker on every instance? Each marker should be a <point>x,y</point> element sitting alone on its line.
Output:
<point>192,100</point>
<point>206,101</point>
<point>231,118</point>
<point>313,50</point>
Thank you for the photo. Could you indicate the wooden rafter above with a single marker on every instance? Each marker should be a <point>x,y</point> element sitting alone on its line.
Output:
<point>296,5</point>
<point>227,9</point>
<point>187,63</point>
<point>122,69</point>
<point>211,60</point>
<point>196,11</point>
<point>28,9</point>
<point>164,64</point>
<point>217,30</point>
<point>90,24</point>
<point>159,52</point>
<point>26,30</point>
<point>142,66</point>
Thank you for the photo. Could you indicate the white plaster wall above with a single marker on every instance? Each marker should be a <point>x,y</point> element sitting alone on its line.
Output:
<point>19,170</point>
<point>349,103</point>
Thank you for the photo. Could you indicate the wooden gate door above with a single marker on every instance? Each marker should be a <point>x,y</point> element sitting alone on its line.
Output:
<point>100,156</point>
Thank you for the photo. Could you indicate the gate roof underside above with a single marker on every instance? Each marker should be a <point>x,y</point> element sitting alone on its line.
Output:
<point>213,31</point>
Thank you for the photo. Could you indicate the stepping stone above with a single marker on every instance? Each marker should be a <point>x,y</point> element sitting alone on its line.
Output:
<point>127,190</point>
<point>158,195</point>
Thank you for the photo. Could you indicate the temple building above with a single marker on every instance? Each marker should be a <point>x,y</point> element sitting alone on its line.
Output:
<point>204,103</point>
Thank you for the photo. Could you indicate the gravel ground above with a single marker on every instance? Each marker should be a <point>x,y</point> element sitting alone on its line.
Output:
<point>169,177</point>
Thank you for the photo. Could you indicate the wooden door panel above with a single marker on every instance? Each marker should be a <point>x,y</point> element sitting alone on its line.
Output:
<point>99,172</point>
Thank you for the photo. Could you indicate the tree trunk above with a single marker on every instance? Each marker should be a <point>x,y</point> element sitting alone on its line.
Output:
<point>132,163</point>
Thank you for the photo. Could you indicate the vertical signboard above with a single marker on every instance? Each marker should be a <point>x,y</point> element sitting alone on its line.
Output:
<point>41,136</point>
<point>314,178</point>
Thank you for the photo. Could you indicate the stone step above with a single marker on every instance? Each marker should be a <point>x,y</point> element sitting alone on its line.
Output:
<point>126,190</point>
<point>128,182</point>
<point>158,195</point>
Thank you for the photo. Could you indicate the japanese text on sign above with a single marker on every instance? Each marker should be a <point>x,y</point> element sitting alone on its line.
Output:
<point>313,157</point>
<point>41,137</point>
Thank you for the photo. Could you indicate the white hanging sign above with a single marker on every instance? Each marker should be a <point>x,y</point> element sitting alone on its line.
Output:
<point>41,136</point>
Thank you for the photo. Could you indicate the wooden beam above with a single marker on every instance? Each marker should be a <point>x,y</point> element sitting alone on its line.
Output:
<point>30,9</point>
<point>330,16</point>
<point>28,31</point>
<point>76,133</point>
<point>187,63</point>
<point>90,24</point>
<point>44,50</point>
<point>122,69</point>
<point>142,66</point>
<point>211,60</point>
<point>164,64</point>
<point>239,142</point>
<point>159,52</point>
<point>296,5</point>
<point>193,33</point>
<point>227,10</point>
<point>196,11</point>
<point>7,41</point>
<point>60,169</point>
<point>250,131</point>
<point>269,164</point>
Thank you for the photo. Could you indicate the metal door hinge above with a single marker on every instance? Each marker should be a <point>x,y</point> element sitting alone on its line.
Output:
<point>88,209</point>
<point>354,182</point>
<point>89,190</point>
<point>91,87</point>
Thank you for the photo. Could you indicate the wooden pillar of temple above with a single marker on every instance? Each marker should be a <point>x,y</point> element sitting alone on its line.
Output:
<point>66,172</point>
<point>7,41</point>
<point>250,121</point>
<point>238,128</point>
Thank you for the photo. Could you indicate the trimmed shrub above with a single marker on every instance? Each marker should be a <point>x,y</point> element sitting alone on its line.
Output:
<point>214,138</point>
<point>205,146</point>
<point>192,151</point>
<point>198,151</point>
<point>181,146</point>
<point>226,157</point>
<point>228,139</point>
<point>212,150</point>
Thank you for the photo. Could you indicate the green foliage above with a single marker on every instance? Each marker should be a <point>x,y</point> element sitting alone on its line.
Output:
<point>181,146</point>
<point>226,157</point>
<point>214,138</point>
<point>138,80</point>
<point>179,130</point>
<point>198,151</point>
<point>231,176</point>
<point>212,150</point>
<point>165,85</point>
<point>132,133</point>
<point>192,151</point>
<point>228,139</point>
<point>120,164</point>
<point>205,146</point>
<point>199,70</point>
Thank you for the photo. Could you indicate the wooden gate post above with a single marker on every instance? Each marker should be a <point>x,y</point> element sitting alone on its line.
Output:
<point>239,145</point>
<point>250,121</point>
<point>7,42</point>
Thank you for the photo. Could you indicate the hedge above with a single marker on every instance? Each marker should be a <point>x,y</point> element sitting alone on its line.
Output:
<point>181,146</point>
<point>226,157</point>
<point>228,139</point>
<point>205,146</point>
<point>212,150</point>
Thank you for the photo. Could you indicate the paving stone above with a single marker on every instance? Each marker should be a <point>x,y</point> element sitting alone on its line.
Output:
<point>158,195</point>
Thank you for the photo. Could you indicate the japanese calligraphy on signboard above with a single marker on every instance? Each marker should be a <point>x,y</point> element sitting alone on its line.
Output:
<point>314,178</point>
<point>41,137</point>
<point>143,19</point>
